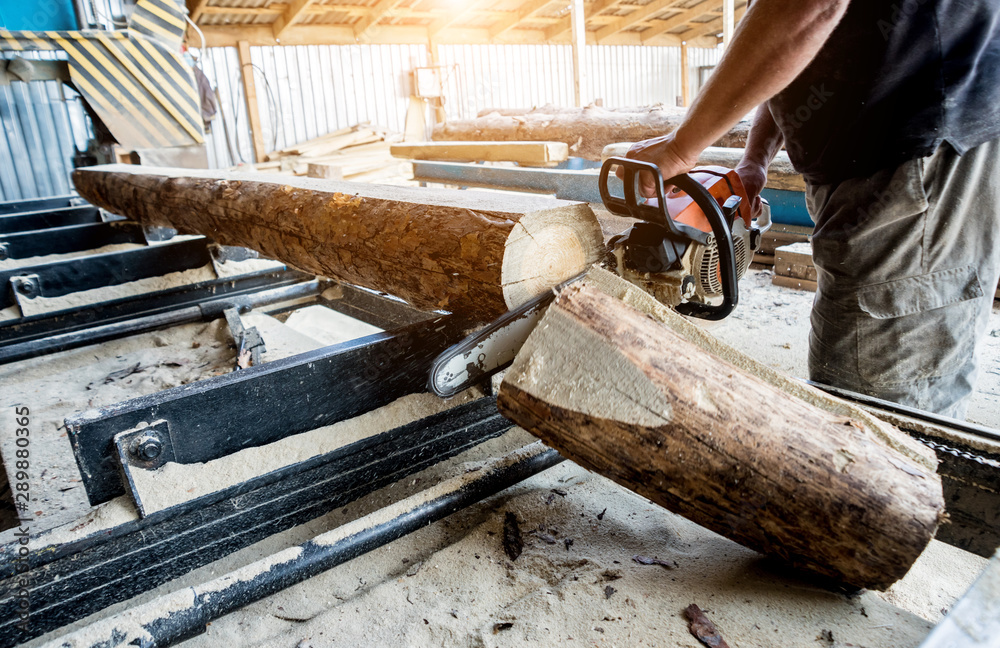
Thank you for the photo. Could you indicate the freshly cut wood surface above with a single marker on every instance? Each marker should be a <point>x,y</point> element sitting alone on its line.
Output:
<point>586,130</point>
<point>780,175</point>
<point>609,387</point>
<point>527,153</point>
<point>473,253</point>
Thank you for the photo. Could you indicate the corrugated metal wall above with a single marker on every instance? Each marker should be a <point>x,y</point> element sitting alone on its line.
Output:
<point>307,91</point>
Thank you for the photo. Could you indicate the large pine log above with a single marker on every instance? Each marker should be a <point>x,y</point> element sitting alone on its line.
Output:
<point>625,396</point>
<point>586,130</point>
<point>473,253</point>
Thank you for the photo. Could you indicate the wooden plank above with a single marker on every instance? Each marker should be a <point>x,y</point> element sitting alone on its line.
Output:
<point>579,43</point>
<point>728,21</point>
<point>529,153</point>
<point>250,98</point>
<point>685,80</point>
<point>791,282</point>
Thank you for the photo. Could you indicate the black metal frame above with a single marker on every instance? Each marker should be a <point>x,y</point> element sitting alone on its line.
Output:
<point>73,580</point>
<point>71,238</point>
<point>218,416</point>
<point>15,222</point>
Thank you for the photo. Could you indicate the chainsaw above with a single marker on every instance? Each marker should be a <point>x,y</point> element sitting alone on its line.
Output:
<point>689,248</point>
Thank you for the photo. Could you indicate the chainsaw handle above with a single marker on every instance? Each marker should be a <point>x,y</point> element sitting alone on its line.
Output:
<point>630,206</point>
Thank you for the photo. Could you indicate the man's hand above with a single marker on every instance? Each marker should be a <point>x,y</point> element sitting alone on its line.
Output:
<point>763,143</point>
<point>665,152</point>
<point>754,177</point>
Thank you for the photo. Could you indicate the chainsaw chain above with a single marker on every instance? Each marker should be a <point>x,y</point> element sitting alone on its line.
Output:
<point>961,454</point>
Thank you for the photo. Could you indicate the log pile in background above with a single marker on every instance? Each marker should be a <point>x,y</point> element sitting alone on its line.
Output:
<point>586,130</point>
<point>359,154</point>
<point>473,253</point>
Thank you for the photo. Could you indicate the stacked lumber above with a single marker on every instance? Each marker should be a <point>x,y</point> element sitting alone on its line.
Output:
<point>793,267</point>
<point>779,235</point>
<point>533,154</point>
<point>359,153</point>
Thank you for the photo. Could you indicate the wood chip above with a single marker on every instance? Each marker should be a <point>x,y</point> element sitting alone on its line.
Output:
<point>646,560</point>
<point>702,628</point>
<point>513,545</point>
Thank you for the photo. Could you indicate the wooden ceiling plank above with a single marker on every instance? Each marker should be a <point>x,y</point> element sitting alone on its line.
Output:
<point>711,27</point>
<point>645,12</point>
<point>524,12</point>
<point>294,11</point>
<point>376,14</point>
<point>565,24</point>
<point>435,28</point>
<point>684,17</point>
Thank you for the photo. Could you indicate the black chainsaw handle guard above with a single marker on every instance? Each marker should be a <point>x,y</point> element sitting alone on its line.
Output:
<point>630,206</point>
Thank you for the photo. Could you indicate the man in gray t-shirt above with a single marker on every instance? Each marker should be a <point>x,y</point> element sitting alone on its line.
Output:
<point>891,111</point>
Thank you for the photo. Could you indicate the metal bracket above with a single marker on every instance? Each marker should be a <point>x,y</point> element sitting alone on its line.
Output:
<point>145,447</point>
<point>249,343</point>
<point>25,287</point>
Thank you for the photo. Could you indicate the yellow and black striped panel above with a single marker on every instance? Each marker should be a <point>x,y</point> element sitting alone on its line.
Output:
<point>143,90</point>
<point>162,20</point>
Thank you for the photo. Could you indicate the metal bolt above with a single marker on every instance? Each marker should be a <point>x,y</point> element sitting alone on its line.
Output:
<point>4,251</point>
<point>26,286</point>
<point>146,447</point>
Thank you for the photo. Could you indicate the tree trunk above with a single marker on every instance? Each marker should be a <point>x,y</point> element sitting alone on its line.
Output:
<point>473,253</point>
<point>586,130</point>
<point>625,396</point>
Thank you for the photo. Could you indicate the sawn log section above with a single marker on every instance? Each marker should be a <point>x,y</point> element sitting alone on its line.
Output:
<point>621,394</point>
<point>473,253</point>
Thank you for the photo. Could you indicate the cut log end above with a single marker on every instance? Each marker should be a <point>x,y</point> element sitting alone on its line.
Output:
<point>625,396</point>
<point>546,248</point>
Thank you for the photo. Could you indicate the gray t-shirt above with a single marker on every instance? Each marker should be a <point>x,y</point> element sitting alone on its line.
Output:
<point>895,80</point>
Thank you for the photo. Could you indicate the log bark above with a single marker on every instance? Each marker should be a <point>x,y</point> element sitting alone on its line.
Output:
<point>473,253</point>
<point>627,397</point>
<point>586,130</point>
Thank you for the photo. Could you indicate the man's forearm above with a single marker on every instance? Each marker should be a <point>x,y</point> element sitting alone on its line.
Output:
<point>765,138</point>
<point>774,42</point>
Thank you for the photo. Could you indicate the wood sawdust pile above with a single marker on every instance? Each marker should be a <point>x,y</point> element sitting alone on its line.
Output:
<point>359,153</point>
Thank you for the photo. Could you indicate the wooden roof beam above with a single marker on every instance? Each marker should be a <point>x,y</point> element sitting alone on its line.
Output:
<point>640,14</point>
<point>711,27</point>
<point>195,9</point>
<point>441,24</point>
<point>565,24</point>
<point>682,18</point>
<point>524,12</point>
<point>376,14</point>
<point>294,11</point>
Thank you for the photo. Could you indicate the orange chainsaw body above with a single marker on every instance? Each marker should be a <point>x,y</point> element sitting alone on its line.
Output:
<point>721,183</point>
